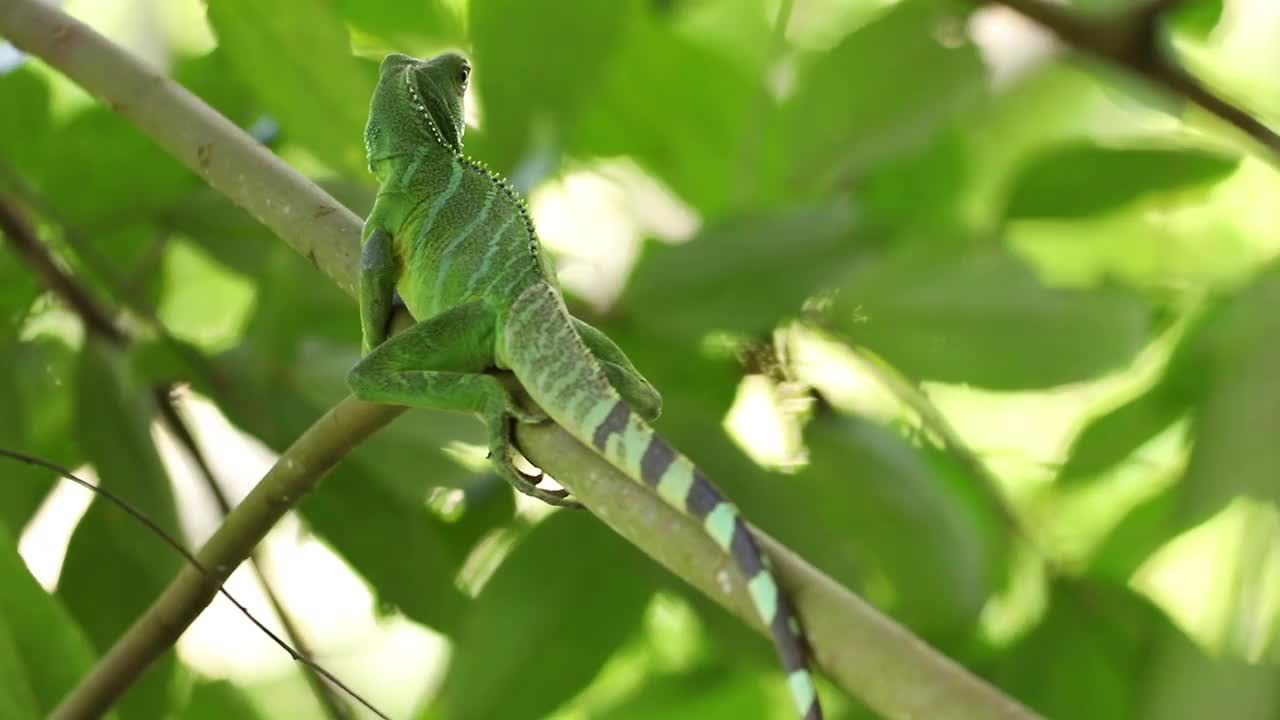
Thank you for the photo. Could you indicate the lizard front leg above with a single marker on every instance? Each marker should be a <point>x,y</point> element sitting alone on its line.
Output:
<point>377,286</point>
<point>440,364</point>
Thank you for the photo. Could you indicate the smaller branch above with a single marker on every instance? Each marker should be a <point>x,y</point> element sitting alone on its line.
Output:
<point>333,705</point>
<point>172,542</point>
<point>1132,41</point>
<point>22,236</point>
<point>298,470</point>
<point>98,321</point>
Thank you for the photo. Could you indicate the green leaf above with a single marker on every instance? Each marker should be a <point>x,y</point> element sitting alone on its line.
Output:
<point>1238,419</point>
<point>48,641</point>
<point>713,694</point>
<point>18,290</point>
<point>1080,179</point>
<point>1095,636</point>
<point>849,112</point>
<point>296,57</point>
<point>104,172</point>
<point>983,318</point>
<point>17,700</point>
<point>37,386</point>
<point>539,78</point>
<point>746,274</point>
<point>1183,683</point>
<point>686,113</point>
<point>875,513</point>
<point>1110,438</point>
<point>218,700</point>
<point>555,610</point>
<point>1196,18</point>
<point>1144,529</point>
<point>25,122</point>
<point>115,566</point>
<point>403,551</point>
<point>405,24</point>
<point>204,303</point>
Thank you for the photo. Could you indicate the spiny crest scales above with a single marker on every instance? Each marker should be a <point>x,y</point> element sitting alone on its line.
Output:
<point>420,101</point>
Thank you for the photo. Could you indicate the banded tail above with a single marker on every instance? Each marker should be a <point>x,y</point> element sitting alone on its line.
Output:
<point>556,368</point>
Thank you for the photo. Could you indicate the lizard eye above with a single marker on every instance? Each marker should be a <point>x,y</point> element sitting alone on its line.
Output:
<point>464,74</point>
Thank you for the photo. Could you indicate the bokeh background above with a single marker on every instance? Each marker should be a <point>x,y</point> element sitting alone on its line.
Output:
<point>989,334</point>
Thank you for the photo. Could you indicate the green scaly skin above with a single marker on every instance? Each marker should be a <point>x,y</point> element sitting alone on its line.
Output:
<point>455,241</point>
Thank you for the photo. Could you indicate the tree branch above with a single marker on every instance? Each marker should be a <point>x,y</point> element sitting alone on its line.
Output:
<point>1131,40</point>
<point>863,651</point>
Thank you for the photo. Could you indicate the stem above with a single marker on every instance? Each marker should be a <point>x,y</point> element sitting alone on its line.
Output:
<point>22,236</point>
<point>298,470</point>
<point>1131,41</point>
<point>333,705</point>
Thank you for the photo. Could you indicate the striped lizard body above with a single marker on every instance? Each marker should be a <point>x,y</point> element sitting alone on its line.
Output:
<point>456,242</point>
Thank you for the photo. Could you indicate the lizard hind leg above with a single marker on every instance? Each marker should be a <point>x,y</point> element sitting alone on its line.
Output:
<point>440,364</point>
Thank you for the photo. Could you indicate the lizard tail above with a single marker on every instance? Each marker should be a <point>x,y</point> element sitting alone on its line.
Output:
<point>555,367</point>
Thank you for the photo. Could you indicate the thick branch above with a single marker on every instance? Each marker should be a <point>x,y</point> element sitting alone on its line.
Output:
<point>865,652</point>
<point>1132,41</point>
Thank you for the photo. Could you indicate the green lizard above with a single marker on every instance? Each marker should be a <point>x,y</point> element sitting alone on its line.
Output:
<point>456,242</point>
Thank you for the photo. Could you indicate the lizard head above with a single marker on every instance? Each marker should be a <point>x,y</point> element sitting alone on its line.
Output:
<point>417,101</point>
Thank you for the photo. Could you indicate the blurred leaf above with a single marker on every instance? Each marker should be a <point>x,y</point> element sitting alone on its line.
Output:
<point>16,697</point>
<point>1183,683</point>
<point>983,318</point>
<point>405,555</point>
<point>559,605</point>
<point>1110,438</point>
<point>217,700</point>
<point>1144,529</point>
<point>213,77</point>
<point>115,566</point>
<point>1081,179</point>
<point>1238,420</point>
<point>746,274</point>
<point>25,122</point>
<point>204,303</point>
<point>1064,671</point>
<point>224,231</point>
<point>539,79</point>
<point>296,57</point>
<point>18,289</point>
<point>715,693</point>
<point>49,643</point>
<point>101,172</point>
<point>871,510</point>
<point>682,111</point>
<point>1196,18</point>
<point>37,386</point>
<point>832,131</point>
<point>436,21</point>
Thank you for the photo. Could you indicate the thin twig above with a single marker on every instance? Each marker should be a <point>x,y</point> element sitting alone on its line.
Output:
<point>22,236</point>
<point>333,705</point>
<point>1132,41</point>
<point>63,711</point>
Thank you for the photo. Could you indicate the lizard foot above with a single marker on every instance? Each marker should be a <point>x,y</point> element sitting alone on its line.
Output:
<point>500,454</point>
